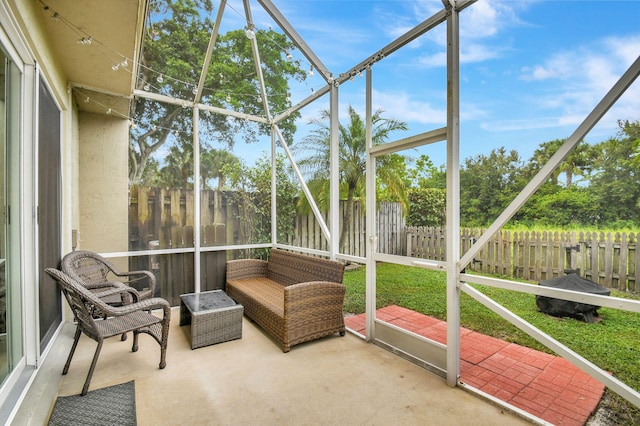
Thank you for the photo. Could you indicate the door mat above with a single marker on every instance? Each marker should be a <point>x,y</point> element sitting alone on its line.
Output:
<point>113,405</point>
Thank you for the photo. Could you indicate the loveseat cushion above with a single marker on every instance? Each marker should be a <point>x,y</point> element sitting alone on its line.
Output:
<point>263,291</point>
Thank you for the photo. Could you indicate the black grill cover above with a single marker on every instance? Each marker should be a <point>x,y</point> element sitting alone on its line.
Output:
<point>561,308</point>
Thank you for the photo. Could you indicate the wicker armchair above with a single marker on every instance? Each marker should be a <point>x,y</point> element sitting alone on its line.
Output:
<point>93,271</point>
<point>135,317</point>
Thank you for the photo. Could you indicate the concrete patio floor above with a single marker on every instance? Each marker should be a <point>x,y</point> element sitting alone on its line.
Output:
<point>336,380</point>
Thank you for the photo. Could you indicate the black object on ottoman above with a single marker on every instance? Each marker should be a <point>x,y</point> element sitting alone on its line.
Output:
<point>567,308</point>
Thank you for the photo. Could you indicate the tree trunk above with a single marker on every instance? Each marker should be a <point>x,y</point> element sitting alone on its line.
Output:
<point>346,220</point>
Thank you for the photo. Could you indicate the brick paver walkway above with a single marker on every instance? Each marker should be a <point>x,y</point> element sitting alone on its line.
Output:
<point>543,385</point>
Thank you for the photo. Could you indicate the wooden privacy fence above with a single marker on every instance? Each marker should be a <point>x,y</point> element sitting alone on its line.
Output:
<point>391,230</point>
<point>609,259</point>
<point>162,218</point>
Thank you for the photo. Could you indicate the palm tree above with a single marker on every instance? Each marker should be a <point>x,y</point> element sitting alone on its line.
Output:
<point>178,169</point>
<point>352,154</point>
<point>578,163</point>
<point>217,164</point>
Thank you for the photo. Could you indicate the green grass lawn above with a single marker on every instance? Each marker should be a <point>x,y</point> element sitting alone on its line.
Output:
<point>612,343</point>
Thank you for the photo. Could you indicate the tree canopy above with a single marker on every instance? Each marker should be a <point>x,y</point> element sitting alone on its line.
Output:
<point>173,55</point>
<point>606,195</point>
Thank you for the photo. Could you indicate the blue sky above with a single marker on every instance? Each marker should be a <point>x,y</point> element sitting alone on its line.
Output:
<point>530,70</point>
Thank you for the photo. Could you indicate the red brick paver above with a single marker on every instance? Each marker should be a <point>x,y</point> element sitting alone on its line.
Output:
<point>544,385</point>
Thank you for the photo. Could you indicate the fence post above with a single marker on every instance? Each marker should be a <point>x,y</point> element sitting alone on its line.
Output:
<point>622,263</point>
<point>634,261</point>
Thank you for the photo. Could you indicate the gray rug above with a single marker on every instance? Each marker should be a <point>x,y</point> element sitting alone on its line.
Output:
<point>113,405</point>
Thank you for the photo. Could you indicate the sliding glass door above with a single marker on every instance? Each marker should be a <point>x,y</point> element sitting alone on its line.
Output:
<point>10,292</point>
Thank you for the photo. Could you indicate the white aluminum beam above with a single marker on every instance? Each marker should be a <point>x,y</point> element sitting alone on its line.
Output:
<point>334,172</point>
<point>305,188</point>
<point>426,138</point>
<point>370,216</point>
<point>256,61</point>
<point>435,265</point>
<point>274,189</point>
<point>175,101</point>
<point>408,37</point>
<point>196,199</point>
<point>231,113</point>
<point>212,45</point>
<point>306,101</point>
<point>453,196</point>
<point>584,364</point>
<point>541,177</point>
<point>163,98</point>
<point>279,18</point>
<point>557,293</point>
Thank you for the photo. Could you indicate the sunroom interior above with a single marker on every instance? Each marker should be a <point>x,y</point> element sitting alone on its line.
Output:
<point>130,147</point>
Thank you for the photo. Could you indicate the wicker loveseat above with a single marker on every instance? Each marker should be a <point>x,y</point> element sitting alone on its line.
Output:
<point>293,297</point>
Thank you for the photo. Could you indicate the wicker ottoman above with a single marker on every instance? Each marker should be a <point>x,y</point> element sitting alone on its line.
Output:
<point>214,317</point>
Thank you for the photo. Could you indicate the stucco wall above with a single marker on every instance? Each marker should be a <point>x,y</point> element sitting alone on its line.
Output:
<point>103,184</point>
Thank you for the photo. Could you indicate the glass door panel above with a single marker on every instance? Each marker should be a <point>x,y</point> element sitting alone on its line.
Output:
<point>10,299</point>
<point>4,359</point>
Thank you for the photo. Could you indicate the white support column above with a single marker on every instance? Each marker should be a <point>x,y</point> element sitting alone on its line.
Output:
<point>453,197</point>
<point>274,198</point>
<point>334,176</point>
<point>196,199</point>
<point>370,195</point>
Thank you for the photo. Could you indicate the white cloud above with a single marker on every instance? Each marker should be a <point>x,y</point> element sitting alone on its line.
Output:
<point>438,59</point>
<point>580,78</point>
<point>482,19</point>
<point>399,105</point>
<point>559,66</point>
<point>480,26</point>
<point>626,48</point>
